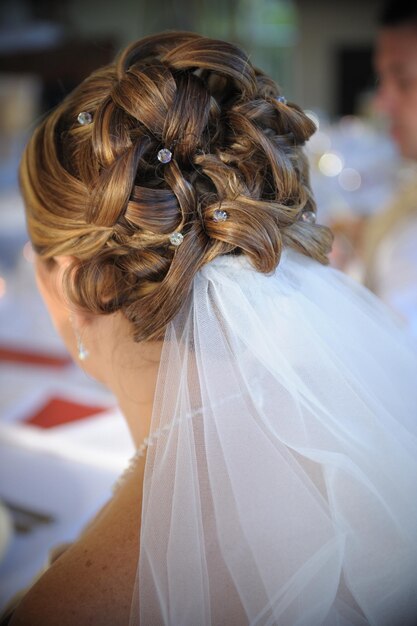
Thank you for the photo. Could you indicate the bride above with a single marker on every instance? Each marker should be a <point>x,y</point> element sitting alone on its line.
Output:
<point>271,399</point>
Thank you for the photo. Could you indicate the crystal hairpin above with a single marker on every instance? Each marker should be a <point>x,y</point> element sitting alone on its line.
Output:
<point>176,238</point>
<point>164,155</point>
<point>309,217</point>
<point>219,215</point>
<point>84,118</point>
<point>282,99</point>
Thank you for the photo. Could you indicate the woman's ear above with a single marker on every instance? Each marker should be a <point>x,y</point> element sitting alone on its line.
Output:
<point>49,274</point>
<point>50,281</point>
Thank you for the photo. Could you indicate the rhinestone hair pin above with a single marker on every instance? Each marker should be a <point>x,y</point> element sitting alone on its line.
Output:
<point>176,239</point>
<point>219,215</point>
<point>282,99</point>
<point>309,217</point>
<point>164,155</point>
<point>84,118</point>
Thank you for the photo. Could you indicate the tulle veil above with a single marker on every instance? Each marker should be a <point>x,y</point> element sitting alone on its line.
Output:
<point>281,475</point>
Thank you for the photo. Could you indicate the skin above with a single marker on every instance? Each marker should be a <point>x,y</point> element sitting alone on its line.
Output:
<point>396,66</point>
<point>92,581</point>
<point>127,368</point>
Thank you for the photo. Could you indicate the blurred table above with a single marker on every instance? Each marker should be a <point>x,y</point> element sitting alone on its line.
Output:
<point>64,471</point>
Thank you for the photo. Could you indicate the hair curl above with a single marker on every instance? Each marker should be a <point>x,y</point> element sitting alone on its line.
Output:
<point>98,192</point>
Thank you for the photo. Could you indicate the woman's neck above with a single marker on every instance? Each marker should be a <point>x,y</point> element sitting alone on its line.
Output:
<point>129,369</point>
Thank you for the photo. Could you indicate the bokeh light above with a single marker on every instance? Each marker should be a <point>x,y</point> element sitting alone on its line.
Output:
<point>319,143</point>
<point>349,179</point>
<point>2,287</point>
<point>313,116</point>
<point>330,164</point>
<point>28,252</point>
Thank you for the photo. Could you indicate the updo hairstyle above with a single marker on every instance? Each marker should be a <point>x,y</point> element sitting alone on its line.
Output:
<point>99,193</point>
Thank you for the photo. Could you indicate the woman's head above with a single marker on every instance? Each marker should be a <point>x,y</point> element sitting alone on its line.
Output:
<point>98,193</point>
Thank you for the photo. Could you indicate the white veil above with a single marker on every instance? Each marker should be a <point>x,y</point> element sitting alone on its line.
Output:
<point>280,481</point>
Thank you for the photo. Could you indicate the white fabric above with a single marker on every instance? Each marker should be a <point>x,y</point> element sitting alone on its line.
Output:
<point>280,485</point>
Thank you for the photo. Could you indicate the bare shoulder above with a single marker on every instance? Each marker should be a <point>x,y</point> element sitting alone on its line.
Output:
<point>92,582</point>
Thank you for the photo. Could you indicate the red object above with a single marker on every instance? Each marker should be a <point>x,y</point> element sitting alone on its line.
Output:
<point>33,358</point>
<point>57,411</point>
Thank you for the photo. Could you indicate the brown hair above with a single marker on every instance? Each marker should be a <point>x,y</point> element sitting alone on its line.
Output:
<point>98,191</point>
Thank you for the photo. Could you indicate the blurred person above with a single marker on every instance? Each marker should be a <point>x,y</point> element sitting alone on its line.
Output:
<point>390,238</point>
<point>271,398</point>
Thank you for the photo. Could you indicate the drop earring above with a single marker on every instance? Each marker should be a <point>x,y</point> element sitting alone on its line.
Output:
<point>83,353</point>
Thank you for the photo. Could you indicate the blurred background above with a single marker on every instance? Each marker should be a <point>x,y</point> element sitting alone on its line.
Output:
<point>321,54</point>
